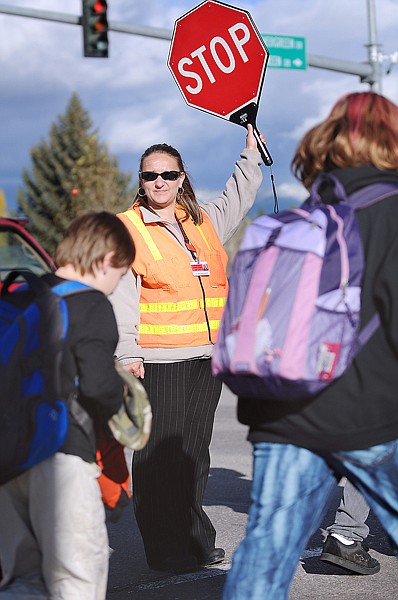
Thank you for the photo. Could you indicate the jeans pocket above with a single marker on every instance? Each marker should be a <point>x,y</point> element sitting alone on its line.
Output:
<point>368,457</point>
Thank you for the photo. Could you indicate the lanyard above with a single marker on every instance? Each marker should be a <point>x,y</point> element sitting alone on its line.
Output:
<point>188,244</point>
<point>198,269</point>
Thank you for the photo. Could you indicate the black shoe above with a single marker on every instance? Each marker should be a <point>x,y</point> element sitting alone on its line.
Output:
<point>354,557</point>
<point>186,564</point>
<point>212,557</point>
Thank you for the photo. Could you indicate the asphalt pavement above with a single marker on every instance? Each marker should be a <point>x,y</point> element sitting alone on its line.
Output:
<point>226,502</point>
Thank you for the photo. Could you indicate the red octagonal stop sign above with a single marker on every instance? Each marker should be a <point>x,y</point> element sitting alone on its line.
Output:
<point>218,59</point>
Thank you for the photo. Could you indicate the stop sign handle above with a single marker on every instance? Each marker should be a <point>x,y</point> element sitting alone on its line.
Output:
<point>266,156</point>
<point>245,115</point>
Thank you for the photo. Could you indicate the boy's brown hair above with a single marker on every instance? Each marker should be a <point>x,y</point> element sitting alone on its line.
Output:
<point>92,235</point>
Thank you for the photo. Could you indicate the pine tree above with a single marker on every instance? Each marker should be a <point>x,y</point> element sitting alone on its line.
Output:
<point>70,172</point>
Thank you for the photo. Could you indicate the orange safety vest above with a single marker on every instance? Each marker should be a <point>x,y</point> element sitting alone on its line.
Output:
<point>174,310</point>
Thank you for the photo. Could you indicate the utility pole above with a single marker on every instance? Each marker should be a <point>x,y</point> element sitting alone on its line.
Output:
<point>374,54</point>
<point>368,72</point>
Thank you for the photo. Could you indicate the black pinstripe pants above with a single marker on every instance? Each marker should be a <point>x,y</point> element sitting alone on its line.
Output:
<point>171,472</point>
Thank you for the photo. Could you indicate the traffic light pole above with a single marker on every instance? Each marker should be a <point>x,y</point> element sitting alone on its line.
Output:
<point>373,46</point>
<point>46,15</point>
<point>368,72</point>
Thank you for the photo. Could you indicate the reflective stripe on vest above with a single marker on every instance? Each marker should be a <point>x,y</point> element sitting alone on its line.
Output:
<point>178,329</point>
<point>134,218</point>
<point>203,236</point>
<point>183,305</point>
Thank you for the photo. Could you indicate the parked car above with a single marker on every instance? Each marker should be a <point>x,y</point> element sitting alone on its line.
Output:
<point>19,249</point>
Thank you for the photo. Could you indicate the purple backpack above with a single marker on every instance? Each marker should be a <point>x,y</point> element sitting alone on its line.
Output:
<point>291,321</point>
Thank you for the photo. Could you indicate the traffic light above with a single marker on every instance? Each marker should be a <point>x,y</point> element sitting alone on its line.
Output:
<point>95,28</point>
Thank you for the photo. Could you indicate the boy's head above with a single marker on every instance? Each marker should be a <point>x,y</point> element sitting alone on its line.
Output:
<point>90,238</point>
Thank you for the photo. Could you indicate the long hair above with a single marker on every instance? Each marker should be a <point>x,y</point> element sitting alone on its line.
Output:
<point>185,198</point>
<point>361,129</point>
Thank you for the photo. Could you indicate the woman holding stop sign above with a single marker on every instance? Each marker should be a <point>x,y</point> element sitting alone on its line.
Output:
<point>168,309</point>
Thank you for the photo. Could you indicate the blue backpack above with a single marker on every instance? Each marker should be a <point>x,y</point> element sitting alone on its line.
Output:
<point>33,414</point>
<point>291,321</point>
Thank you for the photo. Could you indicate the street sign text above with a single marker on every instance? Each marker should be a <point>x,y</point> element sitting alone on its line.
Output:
<point>285,52</point>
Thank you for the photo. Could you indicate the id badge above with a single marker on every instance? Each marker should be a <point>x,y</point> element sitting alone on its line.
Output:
<point>200,268</point>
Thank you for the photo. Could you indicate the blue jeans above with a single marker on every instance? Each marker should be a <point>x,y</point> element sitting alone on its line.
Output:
<point>290,493</point>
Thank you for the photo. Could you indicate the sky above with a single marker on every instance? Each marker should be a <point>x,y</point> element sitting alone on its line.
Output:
<point>134,101</point>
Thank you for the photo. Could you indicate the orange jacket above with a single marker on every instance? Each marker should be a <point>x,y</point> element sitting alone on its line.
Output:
<point>174,310</point>
<point>114,480</point>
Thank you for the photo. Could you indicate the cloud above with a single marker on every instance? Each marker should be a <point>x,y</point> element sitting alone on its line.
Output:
<point>293,192</point>
<point>325,93</point>
<point>134,101</point>
<point>129,133</point>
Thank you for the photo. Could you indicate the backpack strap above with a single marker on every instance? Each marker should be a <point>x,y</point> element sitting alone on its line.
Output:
<point>371,194</point>
<point>315,198</point>
<point>81,416</point>
<point>362,198</point>
<point>69,286</point>
<point>34,281</point>
<point>366,196</point>
<point>40,287</point>
<point>367,331</point>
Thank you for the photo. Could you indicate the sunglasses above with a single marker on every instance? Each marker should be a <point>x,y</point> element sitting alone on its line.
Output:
<point>166,175</point>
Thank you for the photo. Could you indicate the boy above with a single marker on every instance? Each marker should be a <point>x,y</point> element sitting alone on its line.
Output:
<point>53,541</point>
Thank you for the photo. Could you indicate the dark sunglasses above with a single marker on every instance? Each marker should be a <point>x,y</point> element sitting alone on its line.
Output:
<point>166,175</point>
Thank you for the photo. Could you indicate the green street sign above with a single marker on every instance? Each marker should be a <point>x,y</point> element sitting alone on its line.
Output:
<point>285,52</point>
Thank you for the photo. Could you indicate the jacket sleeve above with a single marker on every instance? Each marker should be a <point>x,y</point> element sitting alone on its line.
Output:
<point>227,211</point>
<point>126,306</point>
<point>101,387</point>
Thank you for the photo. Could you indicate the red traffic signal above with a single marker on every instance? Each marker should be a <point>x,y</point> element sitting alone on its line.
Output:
<point>95,28</point>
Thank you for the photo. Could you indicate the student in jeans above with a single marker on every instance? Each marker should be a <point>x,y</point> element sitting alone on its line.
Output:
<point>168,310</point>
<point>350,428</point>
<point>53,541</point>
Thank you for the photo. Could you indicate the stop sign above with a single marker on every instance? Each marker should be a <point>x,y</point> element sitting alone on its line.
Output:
<point>218,60</point>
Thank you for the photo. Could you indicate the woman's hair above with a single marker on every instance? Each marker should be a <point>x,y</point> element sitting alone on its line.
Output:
<point>361,129</point>
<point>187,198</point>
<point>89,237</point>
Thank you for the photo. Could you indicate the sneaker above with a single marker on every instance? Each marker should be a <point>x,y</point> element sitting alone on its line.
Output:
<point>354,557</point>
